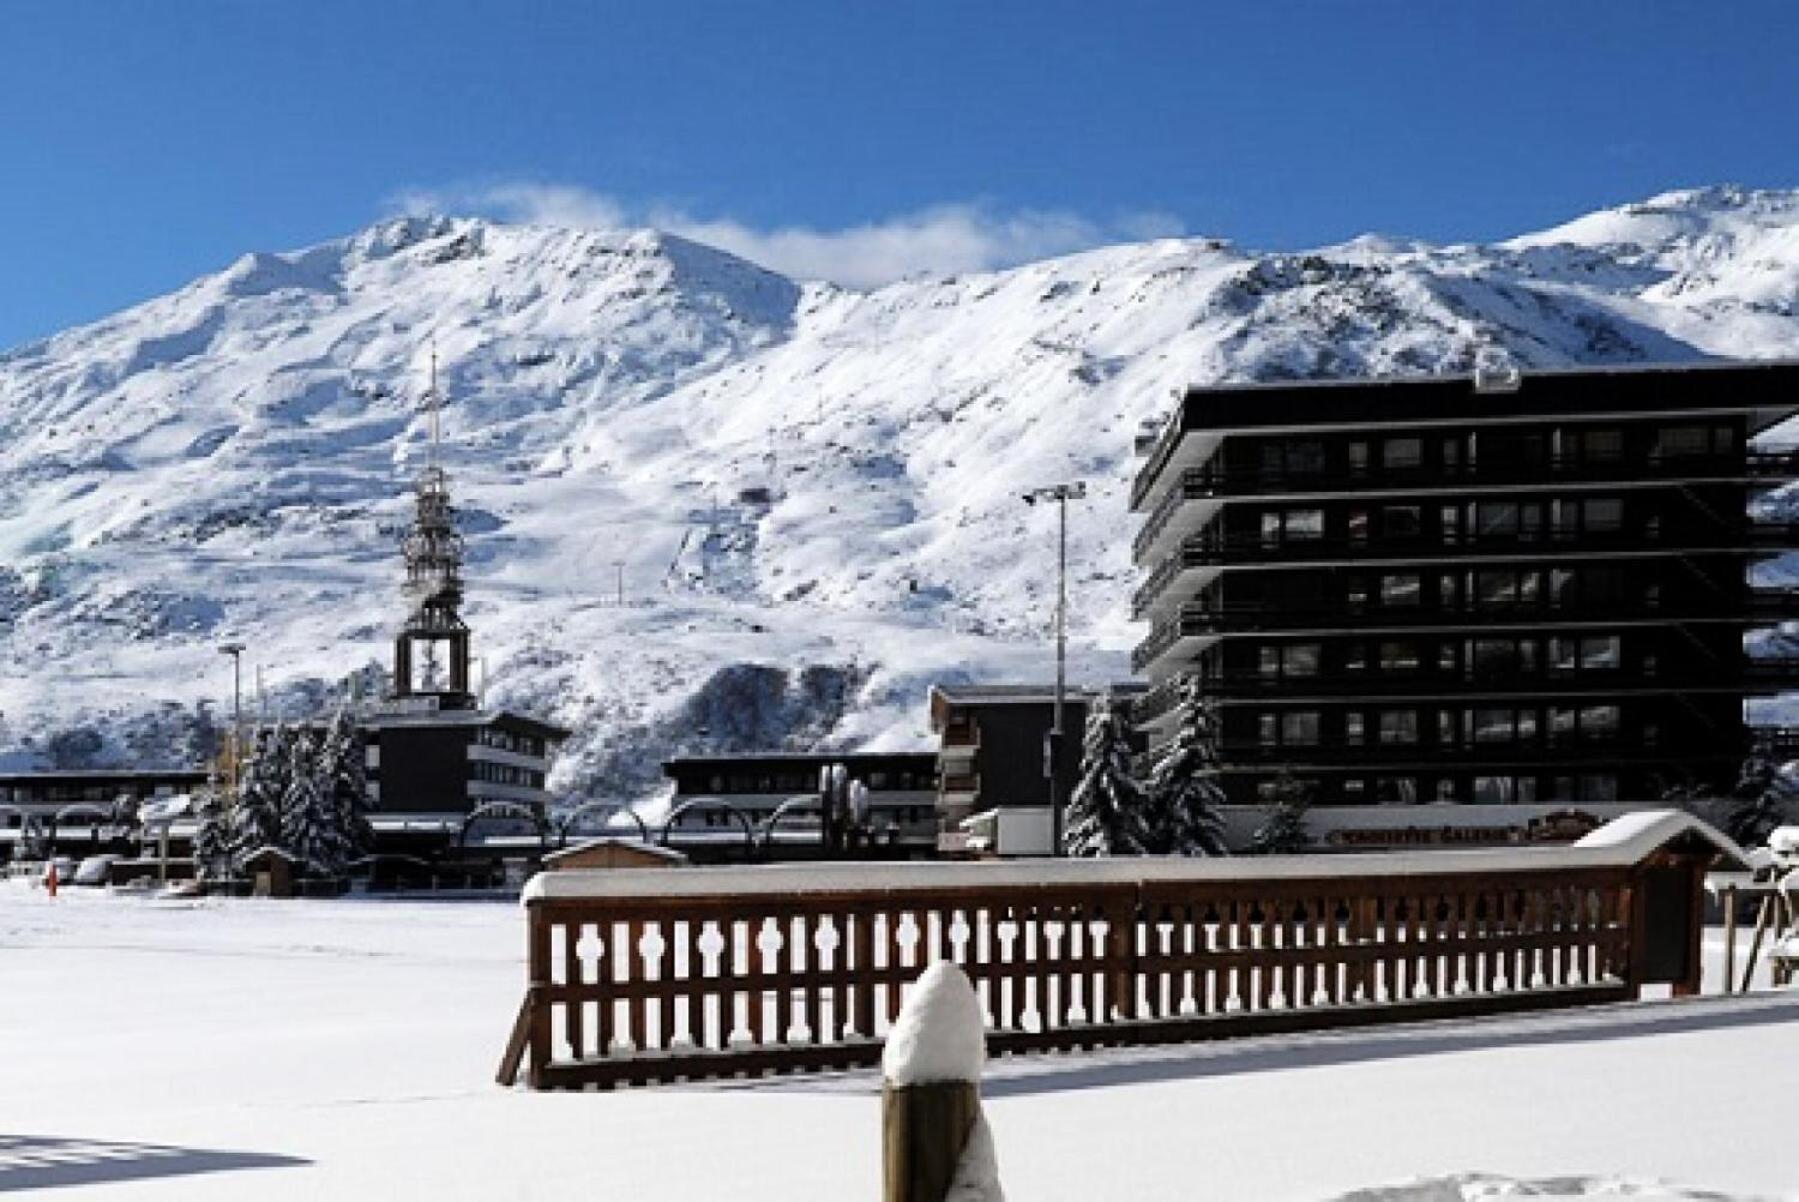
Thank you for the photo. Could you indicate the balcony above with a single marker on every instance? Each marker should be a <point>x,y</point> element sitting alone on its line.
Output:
<point>1214,479</point>
<point>1556,749</point>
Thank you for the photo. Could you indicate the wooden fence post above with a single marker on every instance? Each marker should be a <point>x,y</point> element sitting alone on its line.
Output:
<point>933,1136</point>
<point>537,1003</point>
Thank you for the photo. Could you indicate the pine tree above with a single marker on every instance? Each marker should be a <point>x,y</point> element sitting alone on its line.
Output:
<point>262,782</point>
<point>305,818</point>
<point>1284,832</point>
<point>1761,796</point>
<point>1106,811</point>
<point>1184,794</point>
<point>343,787</point>
<point>212,837</point>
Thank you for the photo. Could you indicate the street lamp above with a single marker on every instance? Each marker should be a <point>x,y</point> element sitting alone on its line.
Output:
<point>1061,494</point>
<point>236,652</point>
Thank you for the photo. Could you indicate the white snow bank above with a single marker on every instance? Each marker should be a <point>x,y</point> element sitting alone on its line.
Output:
<point>940,1035</point>
<point>1476,1187</point>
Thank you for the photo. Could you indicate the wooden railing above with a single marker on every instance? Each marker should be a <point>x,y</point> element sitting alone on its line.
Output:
<point>657,975</point>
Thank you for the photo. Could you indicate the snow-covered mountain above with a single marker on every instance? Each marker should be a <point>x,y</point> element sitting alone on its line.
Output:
<point>232,460</point>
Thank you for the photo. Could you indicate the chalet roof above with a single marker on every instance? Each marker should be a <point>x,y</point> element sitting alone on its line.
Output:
<point>635,845</point>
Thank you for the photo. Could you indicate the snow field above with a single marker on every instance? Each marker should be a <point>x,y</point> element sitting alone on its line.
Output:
<point>360,1037</point>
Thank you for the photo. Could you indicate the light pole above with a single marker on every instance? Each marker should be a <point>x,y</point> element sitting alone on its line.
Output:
<point>236,652</point>
<point>1061,494</point>
<point>619,566</point>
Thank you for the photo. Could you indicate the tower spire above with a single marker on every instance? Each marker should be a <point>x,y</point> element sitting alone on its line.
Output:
<point>433,554</point>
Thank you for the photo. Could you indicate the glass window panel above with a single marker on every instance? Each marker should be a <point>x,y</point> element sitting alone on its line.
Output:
<point>1495,790</point>
<point>1301,659</point>
<point>1271,528</point>
<point>1402,452</point>
<point>1603,446</point>
<point>1496,589</point>
<point>1493,725</point>
<point>1304,525</point>
<point>1270,660</point>
<point>1353,728</point>
<point>1299,728</point>
<point>1496,519</point>
<point>1399,726</point>
<point>1402,521</point>
<point>1305,457</point>
<point>1602,515</point>
<point>1396,790</point>
<point>1401,588</point>
<point>1677,442</point>
<point>1358,525</point>
<point>1599,721</point>
<point>1399,656</point>
<point>1600,653</point>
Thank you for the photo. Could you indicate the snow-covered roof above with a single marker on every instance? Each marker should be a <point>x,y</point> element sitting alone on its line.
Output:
<point>1637,835</point>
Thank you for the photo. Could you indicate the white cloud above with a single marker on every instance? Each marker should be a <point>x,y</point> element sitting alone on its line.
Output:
<point>941,240</point>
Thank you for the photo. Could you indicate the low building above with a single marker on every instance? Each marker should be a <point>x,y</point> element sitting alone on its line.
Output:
<point>993,758</point>
<point>85,810</point>
<point>767,805</point>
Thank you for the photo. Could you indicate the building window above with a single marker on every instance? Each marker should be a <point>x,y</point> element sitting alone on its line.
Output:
<point>1294,660</point>
<point>1450,518</point>
<point>1496,519</point>
<point>1602,446</point>
<point>1399,727</point>
<point>1602,515</point>
<point>1401,589</point>
<point>1401,522</point>
<point>1599,787</point>
<point>1396,790</point>
<point>1399,656</point>
<point>1601,653</point>
<point>1402,454</point>
<point>1599,722</point>
<point>1358,525</point>
<point>1495,790</point>
<point>1354,729</point>
<point>1266,733</point>
<point>1358,458</point>
<point>1681,442</point>
<point>1292,526</point>
<point>1299,728</point>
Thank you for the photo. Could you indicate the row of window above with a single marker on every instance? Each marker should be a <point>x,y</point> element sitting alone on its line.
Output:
<point>1563,446</point>
<point>503,740</point>
<point>1497,789</point>
<point>1457,525</point>
<point>506,774</point>
<point>1479,726</point>
<point>1476,658</point>
<point>807,782</point>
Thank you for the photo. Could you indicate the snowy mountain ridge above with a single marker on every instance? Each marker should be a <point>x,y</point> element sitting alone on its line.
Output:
<point>810,494</point>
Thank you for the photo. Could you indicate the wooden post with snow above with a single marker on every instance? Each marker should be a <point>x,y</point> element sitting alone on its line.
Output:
<point>934,1138</point>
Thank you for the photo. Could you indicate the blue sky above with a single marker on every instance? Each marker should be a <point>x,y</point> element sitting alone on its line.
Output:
<point>142,144</point>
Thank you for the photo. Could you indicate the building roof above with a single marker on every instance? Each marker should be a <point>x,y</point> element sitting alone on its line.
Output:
<point>378,720</point>
<point>793,757</point>
<point>1023,694</point>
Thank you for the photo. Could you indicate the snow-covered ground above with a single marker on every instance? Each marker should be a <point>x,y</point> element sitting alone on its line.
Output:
<point>327,1050</point>
<point>232,460</point>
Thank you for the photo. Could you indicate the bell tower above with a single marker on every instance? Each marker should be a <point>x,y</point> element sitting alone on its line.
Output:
<point>431,653</point>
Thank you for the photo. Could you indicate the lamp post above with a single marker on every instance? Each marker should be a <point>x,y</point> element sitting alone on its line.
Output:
<point>1061,494</point>
<point>236,652</point>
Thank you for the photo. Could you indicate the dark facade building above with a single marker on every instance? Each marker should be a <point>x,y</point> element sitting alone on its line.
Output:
<point>767,804</point>
<point>993,757</point>
<point>1519,591</point>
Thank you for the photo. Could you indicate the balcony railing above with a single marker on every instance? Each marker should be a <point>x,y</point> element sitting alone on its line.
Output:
<point>1215,479</point>
<point>1756,606</point>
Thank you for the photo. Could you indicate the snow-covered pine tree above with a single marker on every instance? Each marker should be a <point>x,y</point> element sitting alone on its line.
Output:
<point>1761,795</point>
<point>1184,794</point>
<point>212,836</point>
<point>262,781</point>
<point>343,781</point>
<point>305,818</point>
<point>1284,831</point>
<point>1106,811</point>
